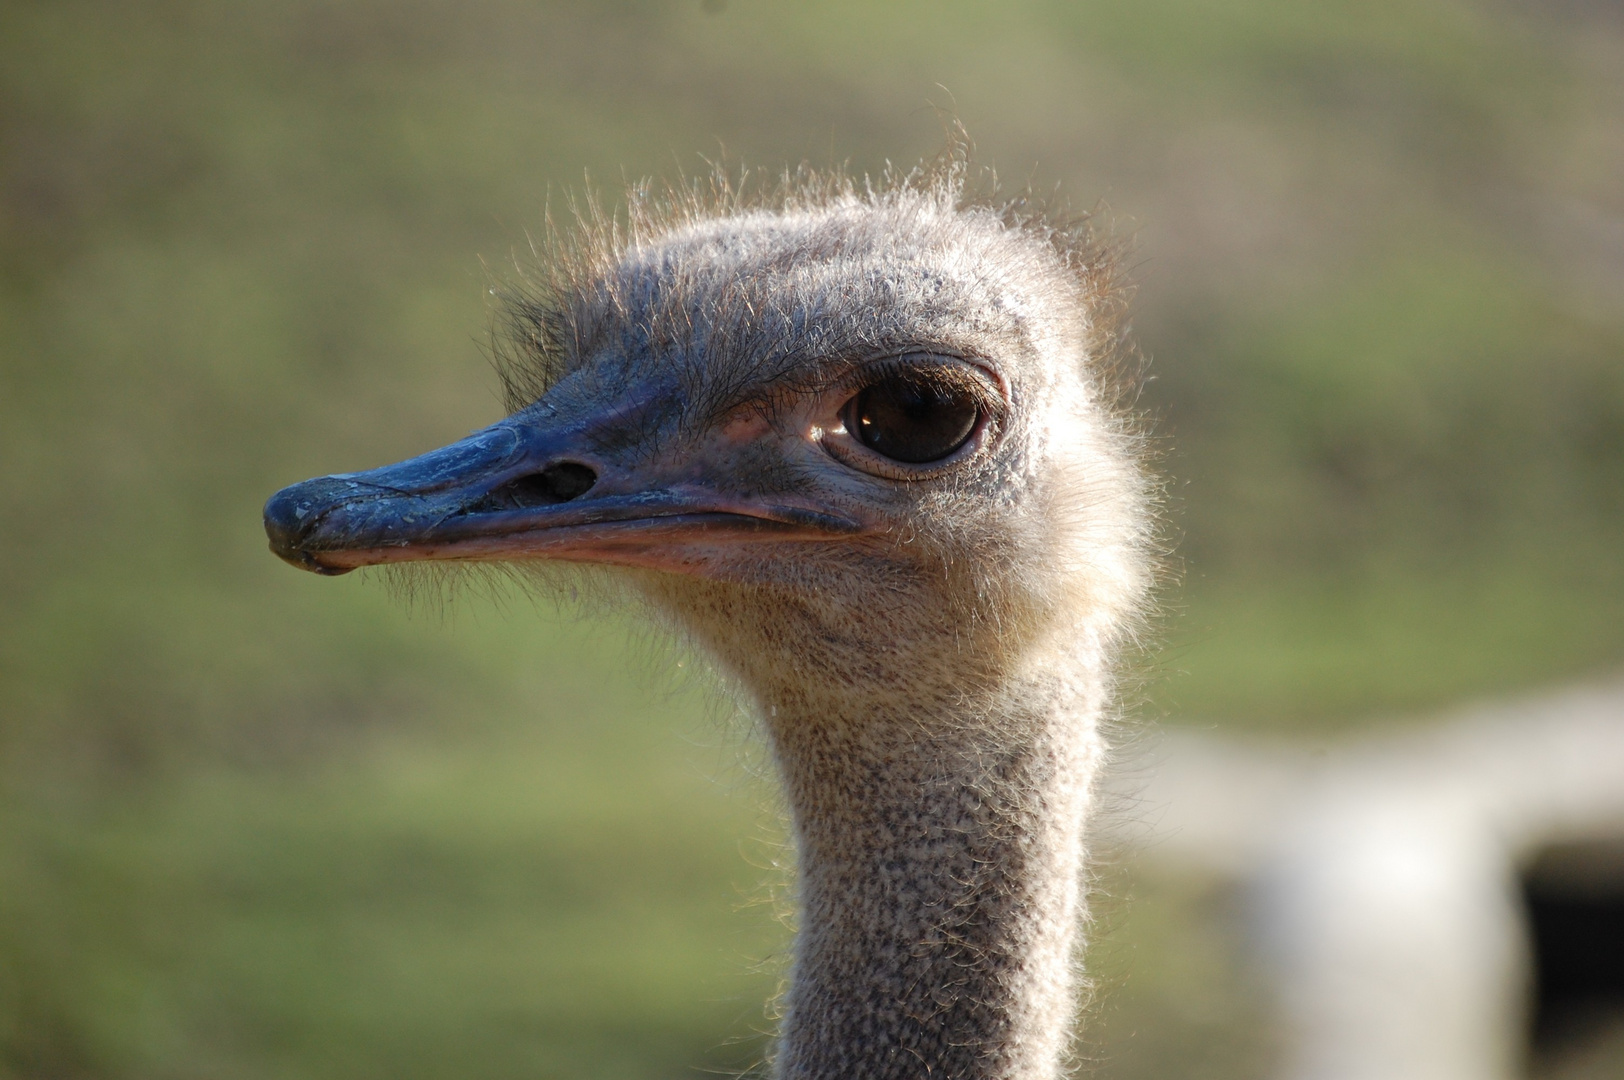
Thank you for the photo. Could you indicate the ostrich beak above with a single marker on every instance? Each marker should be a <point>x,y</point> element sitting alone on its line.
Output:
<point>523,490</point>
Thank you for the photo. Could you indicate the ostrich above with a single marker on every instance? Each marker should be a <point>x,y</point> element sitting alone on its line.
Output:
<point>864,445</point>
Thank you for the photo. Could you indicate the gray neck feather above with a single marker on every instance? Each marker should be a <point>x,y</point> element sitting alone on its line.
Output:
<point>940,858</point>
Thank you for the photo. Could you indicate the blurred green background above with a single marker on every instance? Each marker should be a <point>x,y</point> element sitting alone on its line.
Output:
<point>257,824</point>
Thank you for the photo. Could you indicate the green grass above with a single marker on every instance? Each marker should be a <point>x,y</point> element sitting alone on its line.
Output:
<point>574,885</point>
<point>1313,656</point>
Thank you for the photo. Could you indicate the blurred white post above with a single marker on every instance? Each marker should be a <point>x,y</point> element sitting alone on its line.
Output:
<point>1389,919</point>
<point>1383,877</point>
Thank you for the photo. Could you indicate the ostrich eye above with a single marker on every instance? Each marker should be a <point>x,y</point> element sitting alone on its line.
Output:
<point>912,420</point>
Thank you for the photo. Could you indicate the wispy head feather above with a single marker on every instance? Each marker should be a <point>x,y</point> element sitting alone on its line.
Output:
<point>541,326</point>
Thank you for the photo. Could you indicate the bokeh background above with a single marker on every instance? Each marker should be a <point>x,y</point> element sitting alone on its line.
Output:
<point>255,824</point>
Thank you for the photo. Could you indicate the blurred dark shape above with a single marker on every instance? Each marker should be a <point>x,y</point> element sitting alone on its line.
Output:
<point>1575,899</point>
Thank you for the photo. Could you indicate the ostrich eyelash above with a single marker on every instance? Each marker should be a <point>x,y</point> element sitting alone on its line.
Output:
<point>939,370</point>
<point>843,378</point>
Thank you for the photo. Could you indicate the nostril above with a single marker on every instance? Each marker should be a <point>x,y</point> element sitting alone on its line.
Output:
<point>567,480</point>
<point>557,483</point>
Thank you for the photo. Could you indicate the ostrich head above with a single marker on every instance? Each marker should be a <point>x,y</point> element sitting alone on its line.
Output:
<point>861,444</point>
<point>884,415</point>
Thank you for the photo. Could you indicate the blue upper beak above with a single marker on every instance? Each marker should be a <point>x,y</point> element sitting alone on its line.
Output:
<point>522,488</point>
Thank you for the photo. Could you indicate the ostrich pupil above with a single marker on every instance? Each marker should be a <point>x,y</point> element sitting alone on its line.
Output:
<point>911,420</point>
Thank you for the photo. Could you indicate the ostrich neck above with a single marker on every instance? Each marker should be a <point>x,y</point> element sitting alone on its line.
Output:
<point>939,848</point>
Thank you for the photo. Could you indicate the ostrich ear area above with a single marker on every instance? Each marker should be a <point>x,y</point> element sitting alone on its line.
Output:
<point>520,491</point>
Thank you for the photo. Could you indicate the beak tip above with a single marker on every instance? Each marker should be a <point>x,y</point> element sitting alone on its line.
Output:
<point>284,518</point>
<point>289,518</point>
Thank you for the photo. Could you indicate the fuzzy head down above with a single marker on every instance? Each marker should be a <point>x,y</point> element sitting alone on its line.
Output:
<point>750,320</point>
